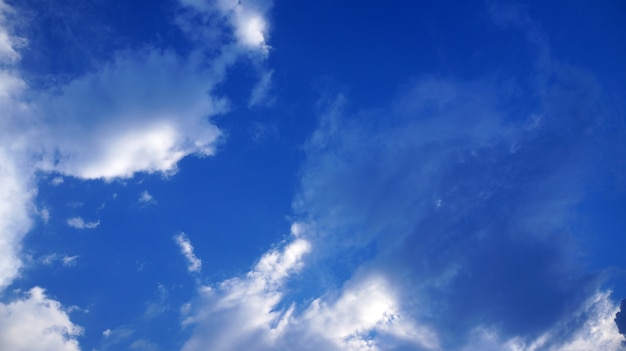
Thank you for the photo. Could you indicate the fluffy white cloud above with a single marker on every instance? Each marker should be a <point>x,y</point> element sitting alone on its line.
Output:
<point>37,323</point>
<point>79,223</point>
<point>194,264</point>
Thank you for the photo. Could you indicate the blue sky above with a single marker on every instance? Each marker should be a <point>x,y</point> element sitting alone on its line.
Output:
<point>312,175</point>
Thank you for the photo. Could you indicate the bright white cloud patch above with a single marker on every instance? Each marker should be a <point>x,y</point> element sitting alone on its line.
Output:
<point>37,323</point>
<point>194,264</point>
<point>79,223</point>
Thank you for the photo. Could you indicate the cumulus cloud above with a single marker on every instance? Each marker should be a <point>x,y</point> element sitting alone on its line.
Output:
<point>194,264</point>
<point>79,223</point>
<point>37,323</point>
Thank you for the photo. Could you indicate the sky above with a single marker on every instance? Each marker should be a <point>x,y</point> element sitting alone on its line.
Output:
<point>312,175</point>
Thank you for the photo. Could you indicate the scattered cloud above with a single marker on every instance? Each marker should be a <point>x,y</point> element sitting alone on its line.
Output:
<point>146,198</point>
<point>106,333</point>
<point>56,181</point>
<point>67,261</point>
<point>79,223</point>
<point>194,264</point>
<point>44,213</point>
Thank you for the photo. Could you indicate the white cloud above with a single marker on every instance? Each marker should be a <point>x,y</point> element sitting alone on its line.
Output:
<point>67,261</point>
<point>79,223</point>
<point>146,198</point>
<point>56,181</point>
<point>37,323</point>
<point>194,264</point>
<point>106,333</point>
<point>44,213</point>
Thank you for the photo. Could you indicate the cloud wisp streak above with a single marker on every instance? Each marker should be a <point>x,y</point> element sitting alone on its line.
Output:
<point>194,264</point>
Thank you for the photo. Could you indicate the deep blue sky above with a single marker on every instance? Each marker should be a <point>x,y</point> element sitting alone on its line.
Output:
<point>312,175</point>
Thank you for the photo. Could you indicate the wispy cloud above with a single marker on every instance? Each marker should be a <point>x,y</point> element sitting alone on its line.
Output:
<point>67,261</point>
<point>79,223</point>
<point>194,264</point>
